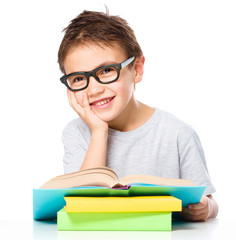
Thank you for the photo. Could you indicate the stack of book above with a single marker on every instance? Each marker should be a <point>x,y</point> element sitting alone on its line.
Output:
<point>96,199</point>
<point>136,213</point>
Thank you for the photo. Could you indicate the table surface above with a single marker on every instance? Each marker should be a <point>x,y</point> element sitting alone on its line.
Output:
<point>29,229</point>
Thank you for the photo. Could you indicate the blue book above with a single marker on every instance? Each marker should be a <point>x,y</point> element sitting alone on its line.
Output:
<point>47,202</point>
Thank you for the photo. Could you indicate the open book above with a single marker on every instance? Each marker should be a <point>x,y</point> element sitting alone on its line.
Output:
<point>106,177</point>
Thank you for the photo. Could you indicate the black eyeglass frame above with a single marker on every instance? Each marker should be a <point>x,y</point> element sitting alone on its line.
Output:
<point>117,66</point>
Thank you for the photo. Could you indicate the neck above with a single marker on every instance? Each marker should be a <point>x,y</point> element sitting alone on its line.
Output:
<point>133,116</point>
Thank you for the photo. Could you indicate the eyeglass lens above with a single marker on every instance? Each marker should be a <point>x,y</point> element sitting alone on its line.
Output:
<point>105,75</point>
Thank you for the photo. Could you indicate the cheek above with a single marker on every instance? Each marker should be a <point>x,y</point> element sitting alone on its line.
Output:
<point>124,90</point>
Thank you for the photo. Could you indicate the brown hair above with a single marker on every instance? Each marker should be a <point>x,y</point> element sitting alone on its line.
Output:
<point>101,29</point>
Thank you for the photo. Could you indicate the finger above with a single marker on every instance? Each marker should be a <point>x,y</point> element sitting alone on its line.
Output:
<point>195,218</point>
<point>185,210</point>
<point>195,212</point>
<point>69,97</point>
<point>196,206</point>
<point>202,204</point>
<point>73,102</point>
<point>86,102</point>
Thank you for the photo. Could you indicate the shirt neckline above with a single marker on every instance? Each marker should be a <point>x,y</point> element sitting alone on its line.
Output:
<point>136,130</point>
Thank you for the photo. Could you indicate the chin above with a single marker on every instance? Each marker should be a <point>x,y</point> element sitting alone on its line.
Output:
<point>107,117</point>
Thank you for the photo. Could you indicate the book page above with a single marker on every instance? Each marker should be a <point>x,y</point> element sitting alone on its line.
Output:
<point>155,180</point>
<point>100,176</point>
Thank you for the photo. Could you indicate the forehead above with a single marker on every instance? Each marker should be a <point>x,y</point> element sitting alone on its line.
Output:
<point>89,57</point>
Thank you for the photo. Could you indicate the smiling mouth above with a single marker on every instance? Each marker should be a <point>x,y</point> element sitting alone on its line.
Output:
<point>101,102</point>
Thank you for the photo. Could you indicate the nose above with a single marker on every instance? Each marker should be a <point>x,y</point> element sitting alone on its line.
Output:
<point>94,87</point>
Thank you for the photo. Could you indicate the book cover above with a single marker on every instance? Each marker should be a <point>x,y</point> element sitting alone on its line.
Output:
<point>47,202</point>
<point>123,204</point>
<point>119,221</point>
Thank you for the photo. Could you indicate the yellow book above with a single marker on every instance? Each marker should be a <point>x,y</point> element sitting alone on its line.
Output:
<point>123,204</point>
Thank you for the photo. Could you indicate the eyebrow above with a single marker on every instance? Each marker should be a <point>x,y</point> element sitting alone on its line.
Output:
<point>105,63</point>
<point>100,65</point>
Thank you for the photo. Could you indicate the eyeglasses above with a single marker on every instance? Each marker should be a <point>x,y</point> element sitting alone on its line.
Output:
<point>78,81</point>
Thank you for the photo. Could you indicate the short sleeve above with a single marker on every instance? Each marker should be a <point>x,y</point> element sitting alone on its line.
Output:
<point>193,164</point>
<point>74,148</point>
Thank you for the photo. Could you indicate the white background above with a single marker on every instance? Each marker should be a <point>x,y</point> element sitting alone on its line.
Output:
<point>190,70</point>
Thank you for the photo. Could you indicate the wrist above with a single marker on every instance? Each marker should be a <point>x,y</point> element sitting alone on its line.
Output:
<point>213,207</point>
<point>101,132</point>
<point>209,207</point>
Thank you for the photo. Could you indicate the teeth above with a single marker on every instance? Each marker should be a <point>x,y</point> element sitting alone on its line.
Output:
<point>102,102</point>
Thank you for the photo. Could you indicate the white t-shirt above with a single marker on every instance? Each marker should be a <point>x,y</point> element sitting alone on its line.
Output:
<point>163,146</point>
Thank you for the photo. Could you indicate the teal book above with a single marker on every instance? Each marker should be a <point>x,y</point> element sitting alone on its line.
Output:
<point>47,202</point>
<point>110,221</point>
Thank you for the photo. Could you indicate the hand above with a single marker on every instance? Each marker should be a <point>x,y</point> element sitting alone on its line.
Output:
<point>197,212</point>
<point>86,113</point>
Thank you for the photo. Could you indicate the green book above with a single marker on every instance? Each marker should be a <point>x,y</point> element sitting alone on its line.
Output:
<point>113,221</point>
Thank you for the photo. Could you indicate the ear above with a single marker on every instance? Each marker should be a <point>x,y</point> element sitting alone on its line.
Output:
<point>139,69</point>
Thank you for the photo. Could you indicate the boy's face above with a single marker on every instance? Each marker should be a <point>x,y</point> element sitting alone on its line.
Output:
<point>107,100</point>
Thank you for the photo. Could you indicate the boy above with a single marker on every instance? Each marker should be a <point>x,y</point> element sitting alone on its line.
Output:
<point>102,61</point>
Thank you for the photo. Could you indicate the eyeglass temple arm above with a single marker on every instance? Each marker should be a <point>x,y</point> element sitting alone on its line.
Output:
<point>127,62</point>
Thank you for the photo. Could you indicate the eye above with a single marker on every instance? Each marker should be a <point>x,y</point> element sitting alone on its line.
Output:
<point>76,80</point>
<point>79,78</point>
<point>107,70</point>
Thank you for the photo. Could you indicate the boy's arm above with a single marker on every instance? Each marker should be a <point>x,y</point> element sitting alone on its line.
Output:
<point>200,212</point>
<point>96,153</point>
<point>193,167</point>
